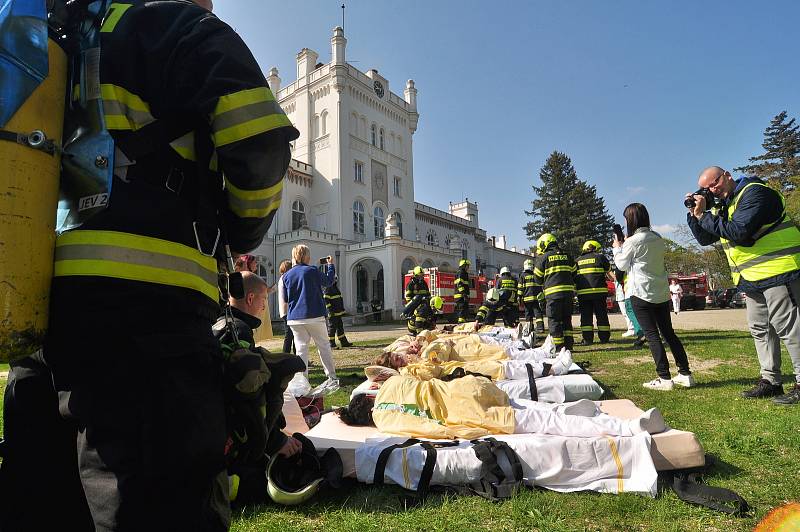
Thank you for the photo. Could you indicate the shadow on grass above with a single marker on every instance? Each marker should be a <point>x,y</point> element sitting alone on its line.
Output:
<point>743,381</point>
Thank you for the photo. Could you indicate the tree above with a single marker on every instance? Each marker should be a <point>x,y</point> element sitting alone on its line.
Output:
<point>694,259</point>
<point>567,207</point>
<point>780,165</point>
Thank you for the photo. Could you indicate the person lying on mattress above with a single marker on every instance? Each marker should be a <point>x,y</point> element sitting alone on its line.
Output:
<point>494,369</point>
<point>472,348</point>
<point>472,407</point>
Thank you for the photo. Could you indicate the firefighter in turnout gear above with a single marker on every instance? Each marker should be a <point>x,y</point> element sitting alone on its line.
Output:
<point>417,286</point>
<point>530,292</point>
<point>200,141</point>
<point>461,287</point>
<point>335,306</point>
<point>487,312</point>
<point>507,288</point>
<point>423,317</point>
<point>554,270</point>
<point>592,290</point>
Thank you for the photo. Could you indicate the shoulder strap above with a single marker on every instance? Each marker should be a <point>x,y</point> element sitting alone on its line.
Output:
<point>383,458</point>
<point>532,383</point>
<point>494,484</point>
<point>690,488</point>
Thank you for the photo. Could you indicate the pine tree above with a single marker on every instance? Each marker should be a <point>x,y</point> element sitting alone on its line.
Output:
<point>780,165</point>
<point>567,207</point>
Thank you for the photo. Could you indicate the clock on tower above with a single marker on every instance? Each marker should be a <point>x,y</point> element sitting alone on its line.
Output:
<point>378,86</point>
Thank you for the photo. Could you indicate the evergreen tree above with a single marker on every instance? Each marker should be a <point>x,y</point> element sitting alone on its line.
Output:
<point>780,165</point>
<point>567,207</point>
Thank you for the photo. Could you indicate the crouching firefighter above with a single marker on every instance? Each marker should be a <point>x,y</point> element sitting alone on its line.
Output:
<point>592,290</point>
<point>487,312</point>
<point>254,382</point>
<point>421,313</point>
<point>170,116</point>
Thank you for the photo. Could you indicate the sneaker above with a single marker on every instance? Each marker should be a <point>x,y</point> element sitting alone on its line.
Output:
<point>659,384</point>
<point>326,388</point>
<point>628,334</point>
<point>763,388</point>
<point>687,381</point>
<point>790,398</point>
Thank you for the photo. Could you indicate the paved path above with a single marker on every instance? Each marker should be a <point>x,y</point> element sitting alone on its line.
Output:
<point>724,319</point>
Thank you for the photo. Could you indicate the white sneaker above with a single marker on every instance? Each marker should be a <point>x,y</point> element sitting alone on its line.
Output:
<point>659,384</point>
<point>687,381</point>
<point>326,388</point>
<point>627,334</point>
<point>562,363</point>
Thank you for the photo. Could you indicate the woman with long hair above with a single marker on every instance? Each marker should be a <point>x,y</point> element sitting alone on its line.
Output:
<point>642,256</point>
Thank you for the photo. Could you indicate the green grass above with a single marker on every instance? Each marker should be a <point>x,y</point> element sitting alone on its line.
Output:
<point>754,444</point>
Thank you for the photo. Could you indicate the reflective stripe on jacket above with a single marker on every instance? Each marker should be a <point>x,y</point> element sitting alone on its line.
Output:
<point>555,271</point>
<point>590,277</point>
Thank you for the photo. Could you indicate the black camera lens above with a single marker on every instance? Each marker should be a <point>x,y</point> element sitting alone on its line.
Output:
<point>689,202</point>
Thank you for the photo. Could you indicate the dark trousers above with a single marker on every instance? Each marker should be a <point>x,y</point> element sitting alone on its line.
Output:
<point>288,338</point>
<point>40,488</point>
<point>462,309</point>
<point>335,329</point>
<point>511,314</point>
<point>534,314</point>
<point>147,395</point>
<point>594,306</point>
<point>655,318</point>
<point>559,321</point>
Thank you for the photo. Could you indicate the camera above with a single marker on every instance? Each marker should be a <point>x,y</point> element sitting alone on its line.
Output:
<point>618,232</point>
<point>323,260</point>
<point>690,202</point>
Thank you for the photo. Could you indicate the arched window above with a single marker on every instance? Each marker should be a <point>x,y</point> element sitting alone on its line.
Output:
<point>399,222</point>
<point>363,130</point>
<point>430,237</point>
<point>298,215</point>
<point>358,217</point>
<point>382,145</point>
<point>447,241</point>
<point>379,222</point>
<point>374,135</point>
<point>315,127</point>
<point>354,124</point>
<point>323,123</point>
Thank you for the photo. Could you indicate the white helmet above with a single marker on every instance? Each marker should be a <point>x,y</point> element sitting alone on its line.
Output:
<point>505,269</point>
<point>492,295</point>
<point>528,264</point>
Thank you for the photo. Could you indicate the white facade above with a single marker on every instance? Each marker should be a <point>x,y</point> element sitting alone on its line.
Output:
<point>352,168</point>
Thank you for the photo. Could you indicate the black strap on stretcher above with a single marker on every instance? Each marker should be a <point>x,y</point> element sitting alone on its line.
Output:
<point>532,383</point>
<point>424,483</point>
<point>494,483</point>
<point>689,487</point>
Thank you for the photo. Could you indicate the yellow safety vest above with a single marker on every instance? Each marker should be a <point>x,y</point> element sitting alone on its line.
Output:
<point>776,249</point>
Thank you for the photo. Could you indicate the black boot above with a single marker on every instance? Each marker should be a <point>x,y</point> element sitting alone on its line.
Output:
<point>345,343</point>
<point>333,344</point>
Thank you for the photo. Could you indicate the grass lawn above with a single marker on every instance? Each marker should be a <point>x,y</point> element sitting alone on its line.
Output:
<point>754,443</point>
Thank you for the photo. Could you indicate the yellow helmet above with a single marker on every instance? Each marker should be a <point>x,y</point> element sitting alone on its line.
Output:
<point>591,245</point>
<point>464,262</point>
<point>417,270</point>
<point>437,303</point>
<point>528,264</point>
<point>544,242</point>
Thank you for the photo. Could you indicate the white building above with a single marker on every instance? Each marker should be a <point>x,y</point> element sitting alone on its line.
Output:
<point>352,170</point>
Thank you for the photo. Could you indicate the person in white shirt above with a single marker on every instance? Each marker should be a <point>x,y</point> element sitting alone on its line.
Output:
<point>675,292</point>
<point>642,256</point>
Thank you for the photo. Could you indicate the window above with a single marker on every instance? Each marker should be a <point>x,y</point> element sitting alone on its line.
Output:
<point>399,220</point>
<point>374,135</point>
<point>396,185</point>
<point>447,241</point>
<point>430,238</point>
<point>298,215</point>
<point>358,217</point>
<point>323,123</point>
<point>315,127</point>
<point>379,222</point>
<point>382,145</point>
<point>358,172</point>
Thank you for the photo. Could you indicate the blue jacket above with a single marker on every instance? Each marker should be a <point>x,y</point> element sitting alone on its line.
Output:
<point>303,285</point>
<point>757,207</point>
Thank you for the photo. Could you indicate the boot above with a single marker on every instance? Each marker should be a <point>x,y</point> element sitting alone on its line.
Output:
<point>333,344</point>
<point>345,343</point>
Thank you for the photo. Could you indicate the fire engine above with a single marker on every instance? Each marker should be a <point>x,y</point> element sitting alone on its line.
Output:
<point>695,289</point>
<point>442,284</point>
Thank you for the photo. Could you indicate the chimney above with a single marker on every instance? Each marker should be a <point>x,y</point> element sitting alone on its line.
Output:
<point>306,62</point>
<point>338,45</point>
<point>274,81</point>
<point>501,241</point>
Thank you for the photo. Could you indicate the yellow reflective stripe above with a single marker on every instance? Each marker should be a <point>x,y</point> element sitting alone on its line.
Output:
<point>406,474</point>
<point>559,288</point>
<point>233,487</point>
<point>538,272</point>
<point>601,290</point>
<point>620,470</point>
<point>123,109</point>
<point>338,296</point>
<point>184,146</point>
<point>245,114</point>
<point>554,269</point>
<point>254,203</point>
<point>235,100</point>
<point>591,270</point>
<point>137,258</point>
<point>113,16</point>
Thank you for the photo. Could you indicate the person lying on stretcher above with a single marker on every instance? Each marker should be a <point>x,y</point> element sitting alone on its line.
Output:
<point>494,369</point>
<point>471,407</point>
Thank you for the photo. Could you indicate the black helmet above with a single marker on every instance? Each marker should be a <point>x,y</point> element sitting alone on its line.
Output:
<point>296,479</point>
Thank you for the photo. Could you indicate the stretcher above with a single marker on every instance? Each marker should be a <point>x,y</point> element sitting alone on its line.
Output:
<point>672,449</point>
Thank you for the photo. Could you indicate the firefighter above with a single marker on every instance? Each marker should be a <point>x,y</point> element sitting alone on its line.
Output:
<point>507,288</point>
<point>487,312</point>
<point>335,306</point>
<point>592,290</point>
<point>135,286</point>
<point>529,292</point>
<point>423,316</point>
<point>417,286</point>
<point>554,270</point>
<point>461,295</point>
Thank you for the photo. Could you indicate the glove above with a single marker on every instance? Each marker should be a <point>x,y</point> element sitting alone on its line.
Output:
<point>245,374</point>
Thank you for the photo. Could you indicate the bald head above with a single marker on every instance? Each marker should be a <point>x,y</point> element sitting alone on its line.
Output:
<point>255,295</point>
<point>718,180</point>
<point>206,4</point>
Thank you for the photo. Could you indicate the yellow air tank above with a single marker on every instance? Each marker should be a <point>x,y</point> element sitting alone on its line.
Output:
<point>29,180</point>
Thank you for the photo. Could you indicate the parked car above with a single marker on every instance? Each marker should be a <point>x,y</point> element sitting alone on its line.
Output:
<point>739,299</point>
<point>725,297</point>
<point>711,298</point>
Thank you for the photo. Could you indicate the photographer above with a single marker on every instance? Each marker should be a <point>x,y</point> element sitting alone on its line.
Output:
<point>762,245</point>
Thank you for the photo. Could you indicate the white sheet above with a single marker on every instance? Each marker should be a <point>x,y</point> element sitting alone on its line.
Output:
<point>602,464</point>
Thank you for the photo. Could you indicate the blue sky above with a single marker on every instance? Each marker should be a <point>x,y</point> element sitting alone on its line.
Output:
<point>640,94</point>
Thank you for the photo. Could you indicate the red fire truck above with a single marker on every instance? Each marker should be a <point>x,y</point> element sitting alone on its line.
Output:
<point>695,289</point>
<point>442,284</point>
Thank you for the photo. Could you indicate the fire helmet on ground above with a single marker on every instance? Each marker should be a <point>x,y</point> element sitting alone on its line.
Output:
<point>294,480</point>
